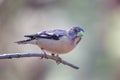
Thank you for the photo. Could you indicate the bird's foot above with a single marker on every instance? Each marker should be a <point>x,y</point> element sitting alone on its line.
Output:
<point>44,55</point>
<point>58,59</point>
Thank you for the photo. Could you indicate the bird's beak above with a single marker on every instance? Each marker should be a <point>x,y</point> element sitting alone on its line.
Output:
<point>81,33</point>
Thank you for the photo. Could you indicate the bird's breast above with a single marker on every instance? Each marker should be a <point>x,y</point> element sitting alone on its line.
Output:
<point>63,45</point>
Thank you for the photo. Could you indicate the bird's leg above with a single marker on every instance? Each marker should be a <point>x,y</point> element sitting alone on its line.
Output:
<point>44,54</point>
<point>59,60</point>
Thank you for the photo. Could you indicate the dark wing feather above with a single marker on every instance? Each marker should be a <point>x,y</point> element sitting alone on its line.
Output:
<point>32,36</point>
<point>53,34</point>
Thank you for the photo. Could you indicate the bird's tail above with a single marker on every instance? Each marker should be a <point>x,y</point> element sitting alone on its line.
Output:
<point>23,41</point>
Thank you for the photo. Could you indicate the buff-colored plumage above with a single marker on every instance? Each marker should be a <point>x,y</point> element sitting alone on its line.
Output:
<point>55,41</point>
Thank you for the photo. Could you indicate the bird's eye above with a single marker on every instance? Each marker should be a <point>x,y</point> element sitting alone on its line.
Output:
<point>75,30</point>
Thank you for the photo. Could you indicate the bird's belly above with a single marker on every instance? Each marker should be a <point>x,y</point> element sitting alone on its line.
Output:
<point>56,46</point>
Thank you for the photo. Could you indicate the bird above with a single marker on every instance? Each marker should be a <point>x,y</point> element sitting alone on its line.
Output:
<point>56,41</point>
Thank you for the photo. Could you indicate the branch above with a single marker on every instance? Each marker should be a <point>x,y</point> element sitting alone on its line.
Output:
<point>19,55</point>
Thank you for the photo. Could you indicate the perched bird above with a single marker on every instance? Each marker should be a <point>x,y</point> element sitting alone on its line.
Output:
<point>55,41</point>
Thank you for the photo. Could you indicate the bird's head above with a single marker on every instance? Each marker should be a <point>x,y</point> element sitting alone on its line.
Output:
<point>76,32</point>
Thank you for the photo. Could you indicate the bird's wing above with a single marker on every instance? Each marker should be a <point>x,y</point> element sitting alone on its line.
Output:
<point>52,34</point>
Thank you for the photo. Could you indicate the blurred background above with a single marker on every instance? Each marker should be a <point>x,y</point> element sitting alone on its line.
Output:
<point>97,55</point>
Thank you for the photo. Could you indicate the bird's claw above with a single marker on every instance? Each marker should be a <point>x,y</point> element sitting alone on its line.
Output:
<point>44,55</point>
<point>59,60</point>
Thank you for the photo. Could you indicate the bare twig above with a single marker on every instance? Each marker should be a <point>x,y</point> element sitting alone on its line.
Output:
<point>19,55</point>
